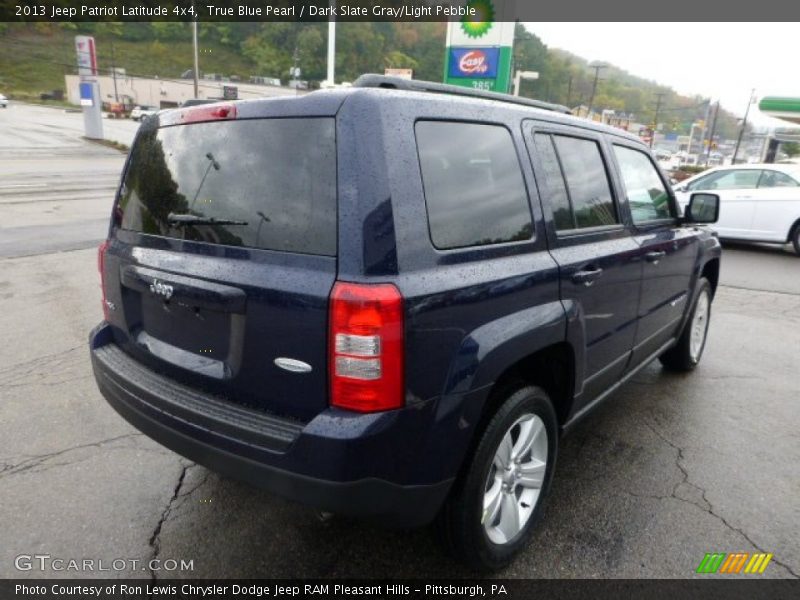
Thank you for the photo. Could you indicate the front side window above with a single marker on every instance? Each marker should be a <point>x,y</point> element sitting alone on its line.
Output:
<point>587,182</point>
<point>744,179</point>
<point>647,197</point>
<point>474,191</point>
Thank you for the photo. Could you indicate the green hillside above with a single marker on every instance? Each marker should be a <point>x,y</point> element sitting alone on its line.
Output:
<point>35,57</point>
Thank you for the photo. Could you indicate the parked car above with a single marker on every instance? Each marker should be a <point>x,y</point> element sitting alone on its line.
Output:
<point>140,112</point>
<point>3,101</point>
<point>391,300</point>
<point>759,202</point>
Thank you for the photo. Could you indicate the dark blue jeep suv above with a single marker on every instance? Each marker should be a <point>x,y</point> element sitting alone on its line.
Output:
<point>391,300</point>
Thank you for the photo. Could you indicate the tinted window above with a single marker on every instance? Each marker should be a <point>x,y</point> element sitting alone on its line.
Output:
<point>727,180</point>
<point>474,190</point>
<point>557,190</point>
<point>771,179</point>
<point>275,178</point>
<point>587,181</point>
<point>647,196</point>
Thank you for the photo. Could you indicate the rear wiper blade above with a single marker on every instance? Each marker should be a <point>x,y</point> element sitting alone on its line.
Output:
<point>184,219</point>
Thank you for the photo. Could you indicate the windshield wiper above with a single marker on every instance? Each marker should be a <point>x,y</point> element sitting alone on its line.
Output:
<point>185,219</point>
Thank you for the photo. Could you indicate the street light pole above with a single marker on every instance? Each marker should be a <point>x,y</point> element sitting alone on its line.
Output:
<point>744,126</point>
<point>331,43</point>
<point>196,60</point>
<point>691,137</point>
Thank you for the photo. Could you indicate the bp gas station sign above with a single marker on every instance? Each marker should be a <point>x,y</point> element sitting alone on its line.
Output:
<point>479,49</point>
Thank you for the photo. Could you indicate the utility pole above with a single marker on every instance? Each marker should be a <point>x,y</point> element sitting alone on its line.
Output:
<point>569,91</point>
<point>712,132</point>
<point>659,97</point>
<point>597,68</point>
<point>705,126</point>
<point>196,60</point>
<point>744,126</point>
<point>114,72</point>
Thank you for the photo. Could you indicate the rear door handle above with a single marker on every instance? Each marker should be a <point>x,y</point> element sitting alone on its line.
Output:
<point>587,278</point>
<point>654,257</point>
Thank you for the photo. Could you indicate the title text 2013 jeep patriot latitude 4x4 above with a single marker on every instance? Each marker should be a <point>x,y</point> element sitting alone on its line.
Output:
<point>390,300</point>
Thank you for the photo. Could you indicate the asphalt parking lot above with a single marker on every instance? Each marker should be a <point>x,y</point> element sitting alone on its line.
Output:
<point>668,469</point>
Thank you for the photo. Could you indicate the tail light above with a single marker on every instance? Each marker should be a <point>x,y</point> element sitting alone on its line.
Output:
<point>101,263</point>
<point>366,347</point>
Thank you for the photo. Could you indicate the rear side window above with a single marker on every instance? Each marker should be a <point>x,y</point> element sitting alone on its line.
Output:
<point>557,197</point>
<point>771,179</point>
<point>474,191</point>
<point>587,182</point>
<point>269,183</point>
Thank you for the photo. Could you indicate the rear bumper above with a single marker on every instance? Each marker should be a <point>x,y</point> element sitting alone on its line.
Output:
<point>308,463</point>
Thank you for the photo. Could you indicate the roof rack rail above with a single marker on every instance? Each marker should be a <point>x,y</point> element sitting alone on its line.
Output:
<point>371,80</point>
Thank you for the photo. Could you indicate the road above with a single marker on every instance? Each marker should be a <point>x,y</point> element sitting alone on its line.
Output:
<point>55,188</point>
<point>668,469</point>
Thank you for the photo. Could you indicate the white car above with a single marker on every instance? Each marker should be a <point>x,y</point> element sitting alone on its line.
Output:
<point>758,202</point>
<point>3,101</point>
<point>140,112</point>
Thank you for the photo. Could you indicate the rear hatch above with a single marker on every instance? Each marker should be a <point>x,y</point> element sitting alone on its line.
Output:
<point>223,255</point>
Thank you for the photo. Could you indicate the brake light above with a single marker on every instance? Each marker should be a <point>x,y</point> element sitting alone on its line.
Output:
<point>197,114</point>
<point>366,347</point>
<point>101,264</point>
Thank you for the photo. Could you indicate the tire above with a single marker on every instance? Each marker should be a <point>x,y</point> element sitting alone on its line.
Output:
<point>686,353</point>
<point>460,524</point>
<point>796,238</point>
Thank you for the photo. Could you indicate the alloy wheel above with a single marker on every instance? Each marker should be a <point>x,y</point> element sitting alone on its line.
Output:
<point>699,326</point>
<point>515,479</point>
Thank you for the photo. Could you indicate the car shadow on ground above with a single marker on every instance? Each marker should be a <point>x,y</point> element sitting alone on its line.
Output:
<point>779,249</point>
<point>233,530</point>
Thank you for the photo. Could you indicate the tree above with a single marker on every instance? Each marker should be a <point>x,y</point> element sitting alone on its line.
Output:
<point>791,149</point>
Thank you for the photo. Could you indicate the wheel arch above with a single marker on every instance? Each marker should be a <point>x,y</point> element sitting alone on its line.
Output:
<point>552,368</point>
<point>790,235</point>
<point>711,272</point>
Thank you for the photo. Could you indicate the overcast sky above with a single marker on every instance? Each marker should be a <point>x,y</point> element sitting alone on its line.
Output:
<point>720,60</point>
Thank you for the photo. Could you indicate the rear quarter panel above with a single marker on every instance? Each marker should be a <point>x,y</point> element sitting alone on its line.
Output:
<point>471,312</point>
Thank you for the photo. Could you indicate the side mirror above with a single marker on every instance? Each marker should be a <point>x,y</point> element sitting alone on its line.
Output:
<point>703,208</point>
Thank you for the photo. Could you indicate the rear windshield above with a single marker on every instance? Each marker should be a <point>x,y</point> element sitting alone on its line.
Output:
<point>269,183</point>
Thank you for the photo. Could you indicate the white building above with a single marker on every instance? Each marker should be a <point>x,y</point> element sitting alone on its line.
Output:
<point>167,93</point>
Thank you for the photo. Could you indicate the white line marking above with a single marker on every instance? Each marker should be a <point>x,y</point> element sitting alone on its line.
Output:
<point>24,185</point>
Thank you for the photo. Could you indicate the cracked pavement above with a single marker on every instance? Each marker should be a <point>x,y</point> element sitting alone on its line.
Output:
<point>669,468</point>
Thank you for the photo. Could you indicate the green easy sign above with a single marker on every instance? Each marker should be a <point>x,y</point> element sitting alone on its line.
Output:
<point>479,49</point>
